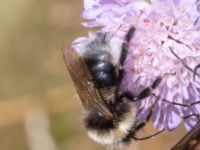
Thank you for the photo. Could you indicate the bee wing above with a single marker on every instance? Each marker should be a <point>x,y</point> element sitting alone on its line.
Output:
<point>90,97</point>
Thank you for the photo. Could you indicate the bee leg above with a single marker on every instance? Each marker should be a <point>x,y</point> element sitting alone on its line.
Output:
<point>147,91</point>
<point>141,125</point>
<point>124,51</point>
<point>148,137</point>
<point>125,45</point>
<point>127,95</point>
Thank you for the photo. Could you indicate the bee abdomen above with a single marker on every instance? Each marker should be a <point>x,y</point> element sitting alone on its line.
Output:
<point>99,62</point>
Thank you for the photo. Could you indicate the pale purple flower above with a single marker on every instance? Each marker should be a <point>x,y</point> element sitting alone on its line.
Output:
<point>166,43</point>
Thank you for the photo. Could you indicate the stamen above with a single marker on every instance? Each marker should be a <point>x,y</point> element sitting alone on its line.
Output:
<point>179,42</point>
<point>195,71</point>
<point>183,105</point>
<point>188,116</point>
<point>190,69</point>
<point>196,21</point>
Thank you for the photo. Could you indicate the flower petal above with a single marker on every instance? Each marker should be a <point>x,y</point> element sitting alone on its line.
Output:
<point>173,118</point>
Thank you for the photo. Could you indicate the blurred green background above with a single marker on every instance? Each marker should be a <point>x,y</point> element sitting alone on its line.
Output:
<point>38,106</point>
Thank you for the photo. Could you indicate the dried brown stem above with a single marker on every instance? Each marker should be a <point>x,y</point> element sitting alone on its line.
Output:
<point>191,141</point>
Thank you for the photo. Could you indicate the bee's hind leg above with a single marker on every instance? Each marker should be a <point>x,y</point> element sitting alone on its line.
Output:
<point>142,124</point>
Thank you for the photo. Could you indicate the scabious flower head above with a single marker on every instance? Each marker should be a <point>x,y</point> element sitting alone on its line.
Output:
<point>166,44</point>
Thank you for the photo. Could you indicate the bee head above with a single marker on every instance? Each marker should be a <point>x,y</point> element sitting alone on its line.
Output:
<point>114,130</point>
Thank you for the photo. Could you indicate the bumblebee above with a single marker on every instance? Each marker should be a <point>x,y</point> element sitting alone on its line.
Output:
<point>97,72</point>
